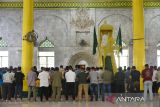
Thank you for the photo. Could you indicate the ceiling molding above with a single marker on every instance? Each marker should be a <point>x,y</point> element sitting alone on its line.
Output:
<point>112,4</point>
<point>152,4</point>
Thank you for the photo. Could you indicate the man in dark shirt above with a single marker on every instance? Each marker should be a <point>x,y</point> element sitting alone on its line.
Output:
<point>19,77</point>
<point>82,78</point>
<point>119,80</point>
<point>135,80</point>
<point>127,80</point>
<point>77,71</point>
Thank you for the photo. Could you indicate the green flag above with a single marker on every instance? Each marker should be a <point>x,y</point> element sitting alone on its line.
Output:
<point>108,63</point>
<point>95,42</point>
<point>119,41</point>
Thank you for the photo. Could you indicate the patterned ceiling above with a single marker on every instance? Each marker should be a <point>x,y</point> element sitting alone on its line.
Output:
<point>79,3</point>
<point>71,0</point>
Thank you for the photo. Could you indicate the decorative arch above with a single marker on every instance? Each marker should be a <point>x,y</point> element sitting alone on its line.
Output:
<point>76,58</point>
<point>13,20</point>
<point>54,27</point>
<point>100,22</point>
<point>153,18</point>
<point>46,44</point>
<point>3,43</point>
<point>56,17</point>
<point>124,21</point>
<point>153,30</point>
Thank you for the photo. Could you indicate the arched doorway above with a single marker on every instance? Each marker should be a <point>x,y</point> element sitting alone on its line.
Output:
<point>82,58</point>
<point>83,62</point>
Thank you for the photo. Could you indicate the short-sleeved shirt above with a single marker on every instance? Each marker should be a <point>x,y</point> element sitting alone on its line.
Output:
<point>19,76</point>
<point>127,75</point>
<point>56,79</point>
<point>44,79</point>
<point>158,76</point>
<point>107,77</point>
<point>93,77</point>
<point>82,78</point>
<point>135,75</point>
<point>100,80</point>
<point>120,77</point>
<point>70,76</point>
<point>154,75</point>
<point>7,77</point>
<point>31,78</point>
<point>147,75</point>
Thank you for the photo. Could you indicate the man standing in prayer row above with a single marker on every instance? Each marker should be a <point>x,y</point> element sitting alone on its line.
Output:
<point>82,79</point>
<point>100,81</point>
<point>93,76</point>
<point>154,81</point>
<point>147,79</point>
<point>1,82</point>
<point>107,77</point>
<point>77,71</point>
<point>135,80</point>
<point>31,79</point>
<point>119,81</point>
<point>158,79</point>
<point>70,83</point>
<point>7,84</point>
<point>127,79</point>
<point>56,79</point>
<point>19,77</point>
<point>44,84</point>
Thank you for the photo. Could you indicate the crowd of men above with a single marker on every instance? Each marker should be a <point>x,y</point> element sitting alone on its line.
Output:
<point>91,83</point>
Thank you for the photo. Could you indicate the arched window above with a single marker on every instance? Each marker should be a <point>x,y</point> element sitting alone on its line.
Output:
<point>46,55</point>
<point>158,54</point>
<point>124,57</point>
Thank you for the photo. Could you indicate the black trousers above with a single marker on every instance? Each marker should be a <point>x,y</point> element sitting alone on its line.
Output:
<point>135,87</point>
<point>6,90</point>
<point>50,91</point>
<point>120,88</point>
<point>12,89</point>
<point>76,88</point>
<point>1,92</point>
<point>155,87</point>
<point>70,90</point>
<point>94,91</point>
<point>43,91</point>
<point>63,87</point>
<point>18,91</point>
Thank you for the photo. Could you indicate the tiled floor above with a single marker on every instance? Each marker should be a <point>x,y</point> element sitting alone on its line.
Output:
<point>79,104</point>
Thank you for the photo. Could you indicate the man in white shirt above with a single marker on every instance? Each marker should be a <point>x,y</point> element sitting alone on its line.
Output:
<point>44,83</point>
<point>7,85</point>
<point>154,80</point>
<point>93,75</point>
<point>100,81</point>
<point>70,83</point>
